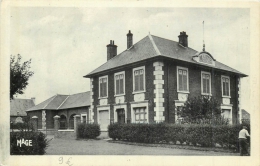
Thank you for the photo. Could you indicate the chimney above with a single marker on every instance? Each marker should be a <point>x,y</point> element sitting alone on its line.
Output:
<point>129,39</point>
<point>111,50</point>
<point>183,39</point>
<point>33,99</point>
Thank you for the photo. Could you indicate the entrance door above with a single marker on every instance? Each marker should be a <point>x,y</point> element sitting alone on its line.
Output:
<point>121,116</point>
<point>103,119</point>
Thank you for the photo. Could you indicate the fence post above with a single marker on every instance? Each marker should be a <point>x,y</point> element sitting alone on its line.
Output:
<point>35,123</point>
<point>56,122</point>
<point>76,122</point>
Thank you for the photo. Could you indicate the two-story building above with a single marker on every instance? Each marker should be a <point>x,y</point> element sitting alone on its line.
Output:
<point>149,80</point>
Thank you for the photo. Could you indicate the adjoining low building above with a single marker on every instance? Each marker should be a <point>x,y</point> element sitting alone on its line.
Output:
<point>18,109</point>
<point>65,106</point>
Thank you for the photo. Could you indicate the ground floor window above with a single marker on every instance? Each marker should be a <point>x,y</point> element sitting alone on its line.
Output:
<point>140,115</point>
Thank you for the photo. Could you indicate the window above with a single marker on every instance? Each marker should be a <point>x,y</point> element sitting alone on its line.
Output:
<point>119,83</point>
<point>140,115</point>
<point>225,85</point>
<point>182,77</point>
<point>103,86</point>
<point>206,83</point>
<point>139,82</point>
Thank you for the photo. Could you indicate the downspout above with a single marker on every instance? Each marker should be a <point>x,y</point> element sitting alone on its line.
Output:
<point>168,107</point>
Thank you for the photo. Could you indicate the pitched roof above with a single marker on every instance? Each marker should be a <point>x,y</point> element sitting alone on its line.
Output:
<point>63,102</point>
<point>76,100</point>
<point>20,105</point>
<point>152,46</point>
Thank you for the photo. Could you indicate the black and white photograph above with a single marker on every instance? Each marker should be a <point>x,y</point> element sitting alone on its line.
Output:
<point>85,83</point>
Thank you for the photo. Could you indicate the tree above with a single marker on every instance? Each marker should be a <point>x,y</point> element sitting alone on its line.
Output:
<point>202,109</point>
<point>19,75</point>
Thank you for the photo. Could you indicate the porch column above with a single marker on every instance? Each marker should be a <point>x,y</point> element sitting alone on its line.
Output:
<point>34,123</point>
<point>76,122</point>
<point>56,122</point>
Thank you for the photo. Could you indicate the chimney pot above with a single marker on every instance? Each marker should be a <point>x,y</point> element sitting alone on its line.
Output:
<point>183,39</point>
<point>129,39</point>
<point>111,50</point>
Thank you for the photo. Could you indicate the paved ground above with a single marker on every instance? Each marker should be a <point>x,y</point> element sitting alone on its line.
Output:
<point>102,147</point>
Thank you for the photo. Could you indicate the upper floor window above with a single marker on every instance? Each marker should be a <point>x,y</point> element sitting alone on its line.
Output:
<point>139,79</point>
<point>225,82</point>
<point>103,86</point>
<point>205,83</point>
<point>120,83</point>
<point>182,77</point>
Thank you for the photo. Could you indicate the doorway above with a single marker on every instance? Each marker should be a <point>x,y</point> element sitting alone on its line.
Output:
<point>120,116</point>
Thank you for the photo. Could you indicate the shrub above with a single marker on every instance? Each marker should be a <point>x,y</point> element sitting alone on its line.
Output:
<point>39,143</point>
<point>88,131</point>
<point>22,126</point>
<point>206,135</point>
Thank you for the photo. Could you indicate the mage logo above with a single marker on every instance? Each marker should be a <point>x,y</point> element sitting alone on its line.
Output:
<point>25,142</point>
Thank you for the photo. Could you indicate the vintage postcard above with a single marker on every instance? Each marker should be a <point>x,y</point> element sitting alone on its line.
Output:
<point>129,83</point>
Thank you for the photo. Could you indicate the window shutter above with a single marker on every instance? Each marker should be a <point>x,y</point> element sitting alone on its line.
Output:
<point>208,87</point>
<point>227,86</point>
<point>204,84</point>
<point>100,87</point>
<point>121,87</point>
<point>141,82</point>
<point>105,88</point>
<point>180,80</point>
<point>185,88</point>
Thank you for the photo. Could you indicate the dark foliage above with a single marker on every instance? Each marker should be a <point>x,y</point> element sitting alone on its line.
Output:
<point>19,75</point>
<point>205,135</point>
<point>88,131</point>
<point>39,143</point>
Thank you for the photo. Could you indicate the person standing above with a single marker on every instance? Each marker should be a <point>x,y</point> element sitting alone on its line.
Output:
<point>243,134</point>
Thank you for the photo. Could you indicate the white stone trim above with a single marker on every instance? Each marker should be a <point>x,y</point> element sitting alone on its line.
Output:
<point>91,109</point>
<point>121,106</point>
<point>81,117</point>
<point>239,100</point>
<point>158,91</point>
<point>223,76</point>
<point>228,107</point>
<point>118,73</point>
<point>134,69</point>
<point>106,76</point>
<point>103,108</point>
<point>177,72</point>
<point>177,104</point>
<point>201,80</point>
<point>136,105</point>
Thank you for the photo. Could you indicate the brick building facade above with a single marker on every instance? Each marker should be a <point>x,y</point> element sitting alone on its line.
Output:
<point>148,81</point>
<point>65,106</point>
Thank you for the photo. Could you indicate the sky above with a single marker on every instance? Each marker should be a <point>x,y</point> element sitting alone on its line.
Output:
<point>66,43</point>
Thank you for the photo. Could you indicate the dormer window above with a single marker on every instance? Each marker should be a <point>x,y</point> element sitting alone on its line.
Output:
<point>204,58</point>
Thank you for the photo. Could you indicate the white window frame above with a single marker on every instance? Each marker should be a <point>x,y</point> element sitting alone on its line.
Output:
<point>223,76</point>
<point>134,69</point>
<point>145,112</point>
<point>208,94</point>
<point>106,76</point>
<point>183,68</point>
<point>81,118</point>
<point>122,72</point>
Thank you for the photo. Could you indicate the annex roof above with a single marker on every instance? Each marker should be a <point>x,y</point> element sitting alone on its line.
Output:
<point>19,106</point>
<point>152,46</point>
<point>63,102</point>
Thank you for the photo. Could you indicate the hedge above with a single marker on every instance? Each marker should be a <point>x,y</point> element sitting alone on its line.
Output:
<point>205,135</point>
<point>88,131</point>
<point>38,141</point>
<point>22,126</point>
